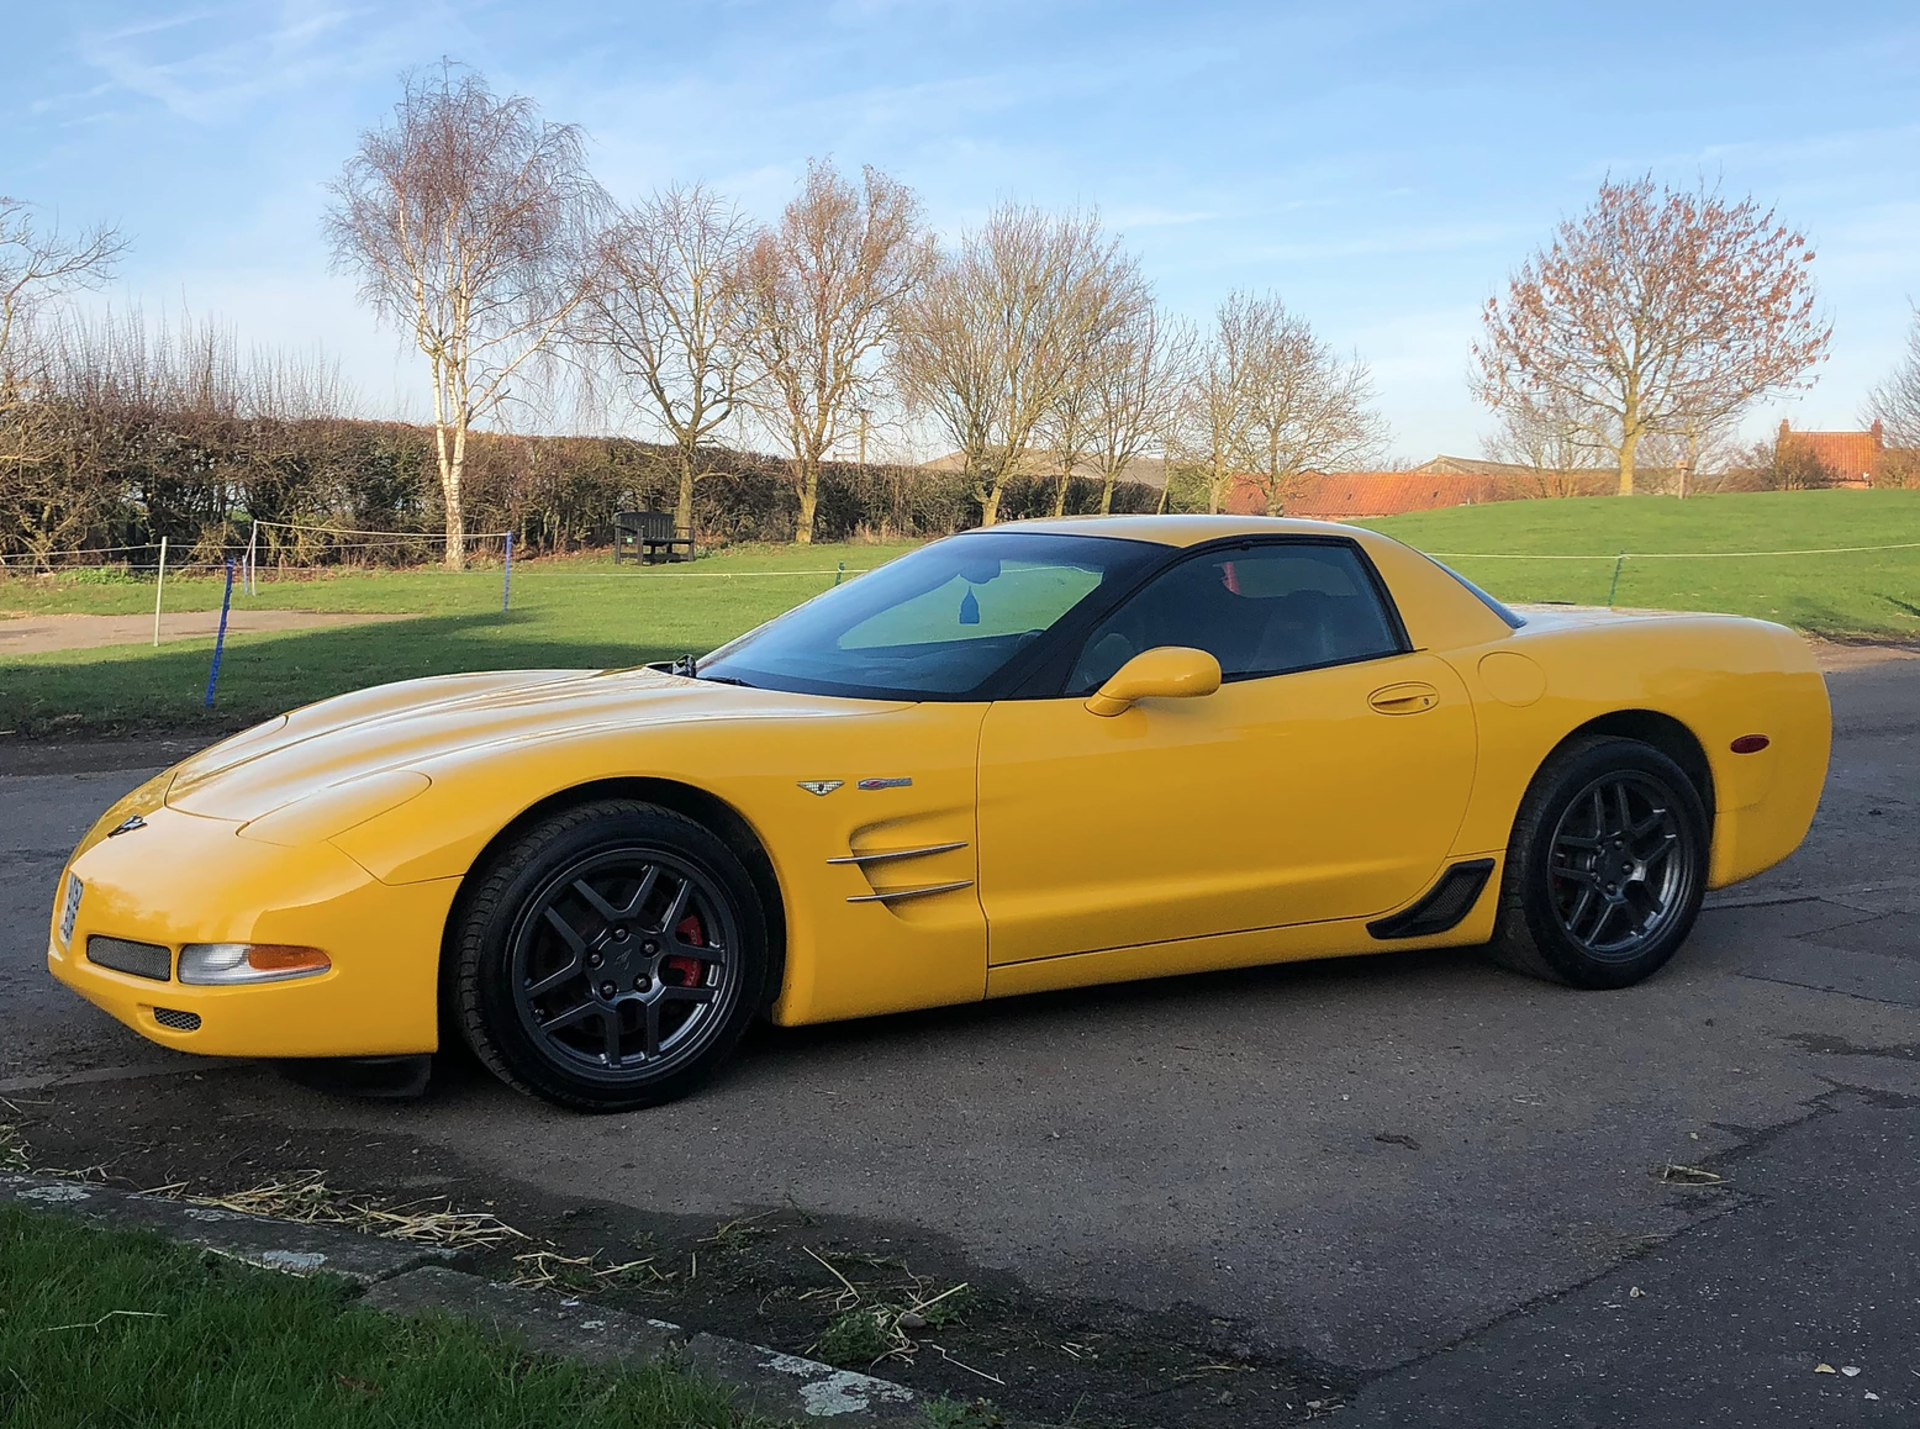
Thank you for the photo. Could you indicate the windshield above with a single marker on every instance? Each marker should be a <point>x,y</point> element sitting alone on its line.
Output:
<point>938,623</point>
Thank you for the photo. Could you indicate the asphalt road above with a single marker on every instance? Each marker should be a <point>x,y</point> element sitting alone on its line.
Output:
<point>1211,1149</point>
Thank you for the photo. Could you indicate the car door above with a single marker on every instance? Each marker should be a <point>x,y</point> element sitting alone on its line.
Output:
<point>1324,779</point>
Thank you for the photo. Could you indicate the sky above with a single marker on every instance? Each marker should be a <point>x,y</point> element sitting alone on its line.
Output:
<point>1381,166</point>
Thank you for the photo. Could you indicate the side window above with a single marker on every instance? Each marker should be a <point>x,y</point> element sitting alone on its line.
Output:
<point>1262,611</point>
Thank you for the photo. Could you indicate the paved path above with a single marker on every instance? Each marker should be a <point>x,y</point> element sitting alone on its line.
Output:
<point>39,634</point>
<point>1214,1144</point>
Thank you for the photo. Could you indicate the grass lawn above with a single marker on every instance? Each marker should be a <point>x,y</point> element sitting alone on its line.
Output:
<point>565,614</point>
<point>102,1327</point>
<point>585,613</point>
<point>1864,593</point>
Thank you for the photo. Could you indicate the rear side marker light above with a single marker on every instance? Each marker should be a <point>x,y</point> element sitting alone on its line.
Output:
<point>1750,744</point>
<point>227,964</point>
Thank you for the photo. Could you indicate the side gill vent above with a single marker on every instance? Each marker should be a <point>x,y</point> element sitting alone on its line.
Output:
<point>1446,903</point>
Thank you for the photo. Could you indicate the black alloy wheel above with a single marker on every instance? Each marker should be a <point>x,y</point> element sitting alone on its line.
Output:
<point>611,958</point>
<point>1606,867</point>
<point>1616,869</point>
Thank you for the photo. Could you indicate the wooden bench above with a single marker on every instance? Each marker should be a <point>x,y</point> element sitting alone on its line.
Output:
<point>648,536</point>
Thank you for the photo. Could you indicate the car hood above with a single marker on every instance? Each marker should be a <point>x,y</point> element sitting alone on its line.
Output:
<point>409,725</point>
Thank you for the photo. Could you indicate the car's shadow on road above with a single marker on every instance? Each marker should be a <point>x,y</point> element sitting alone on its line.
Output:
<point>1180,1007</point>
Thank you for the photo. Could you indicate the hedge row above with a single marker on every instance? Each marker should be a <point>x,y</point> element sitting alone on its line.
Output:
<point>128,481</point>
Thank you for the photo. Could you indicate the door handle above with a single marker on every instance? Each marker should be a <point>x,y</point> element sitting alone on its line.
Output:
<point>1404,699</point>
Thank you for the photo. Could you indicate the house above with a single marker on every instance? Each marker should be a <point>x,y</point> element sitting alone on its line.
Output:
<point>1146,470</point>
<point>1852,457</point>
<point>1357,495</point>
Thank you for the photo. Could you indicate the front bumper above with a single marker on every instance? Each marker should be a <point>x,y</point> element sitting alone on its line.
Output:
<point>188,879</point>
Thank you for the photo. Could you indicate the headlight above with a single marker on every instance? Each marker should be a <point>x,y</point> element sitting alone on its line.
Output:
<point>333,811</point>
<point>219,964</point>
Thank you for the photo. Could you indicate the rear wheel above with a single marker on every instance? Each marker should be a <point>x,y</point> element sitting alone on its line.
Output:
<point>1606,867</point>
<point>611,958</point>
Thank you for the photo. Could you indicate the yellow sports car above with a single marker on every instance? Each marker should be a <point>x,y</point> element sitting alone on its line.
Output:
<point>1044,755</point>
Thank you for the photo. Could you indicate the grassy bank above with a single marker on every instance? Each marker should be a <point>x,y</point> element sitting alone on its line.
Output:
<point>564,614</point>
<point>585,613</point>
<point>110,1328</point>
<point>1519,550</point>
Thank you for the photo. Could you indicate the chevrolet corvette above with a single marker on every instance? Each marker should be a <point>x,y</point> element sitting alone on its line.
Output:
<point>1037,756</point>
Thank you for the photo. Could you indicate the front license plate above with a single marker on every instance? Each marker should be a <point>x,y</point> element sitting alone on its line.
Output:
<point>71,910</point>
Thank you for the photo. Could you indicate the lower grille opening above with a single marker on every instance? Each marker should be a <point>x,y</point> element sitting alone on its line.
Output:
<point>177,1020</point>
<point>125,956</point>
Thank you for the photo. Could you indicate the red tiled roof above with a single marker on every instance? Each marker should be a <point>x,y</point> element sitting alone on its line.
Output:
<point>1348,495</point>
<point>1851,456</point>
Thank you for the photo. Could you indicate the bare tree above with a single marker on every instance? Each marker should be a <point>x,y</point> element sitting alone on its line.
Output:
<point>1307,409</point>
<point>39,267</point>
<point>1065,434</point>
<point>672,316</point>
<point>1653,312</point>
<point>1895,403</point>
<point>1138,373</point>
<point>470,221</point>
<point>1537,432</point>
<point>1000,331</point>
<point>1080,428</point>
<point>824,286</point>
<point>1215,410</point>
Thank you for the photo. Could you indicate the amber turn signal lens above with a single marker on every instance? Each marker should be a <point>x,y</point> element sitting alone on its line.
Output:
<point>284,958</point>
<point>1750,744</point>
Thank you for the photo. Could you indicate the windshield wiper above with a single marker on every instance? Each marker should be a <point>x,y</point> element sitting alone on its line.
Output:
<point>726,680</point>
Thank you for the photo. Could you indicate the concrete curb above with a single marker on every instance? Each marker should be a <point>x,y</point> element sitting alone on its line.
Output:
<point>290,1246</point>
<point>768,1382</point>
<point>404,1279</point>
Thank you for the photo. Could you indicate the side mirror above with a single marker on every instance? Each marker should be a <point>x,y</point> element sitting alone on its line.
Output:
<point>1168,672</point>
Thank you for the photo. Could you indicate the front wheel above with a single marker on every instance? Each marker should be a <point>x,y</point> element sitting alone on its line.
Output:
<point>1606,867</point>
<point>611,958</point>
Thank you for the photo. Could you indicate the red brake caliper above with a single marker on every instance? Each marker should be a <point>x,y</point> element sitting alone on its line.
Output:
<point>688,969</point>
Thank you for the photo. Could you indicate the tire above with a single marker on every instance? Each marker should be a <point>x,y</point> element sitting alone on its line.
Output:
<point>610,959</point>
<point>1592,898</point>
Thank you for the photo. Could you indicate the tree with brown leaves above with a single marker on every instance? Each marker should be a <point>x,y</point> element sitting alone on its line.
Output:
<point>1656,311</point>
<point>823,292</point>
<point>470,221</point>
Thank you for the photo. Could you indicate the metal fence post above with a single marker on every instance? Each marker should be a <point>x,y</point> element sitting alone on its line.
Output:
<point>506,578</point>
<point>159,585</point>
<point>220,638</point>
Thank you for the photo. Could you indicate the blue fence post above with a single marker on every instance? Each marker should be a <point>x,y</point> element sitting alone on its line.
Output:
<point>220,639</point>
<point>506,580</point>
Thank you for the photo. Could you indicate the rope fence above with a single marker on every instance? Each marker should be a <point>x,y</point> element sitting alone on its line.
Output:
<point>1670,555</point>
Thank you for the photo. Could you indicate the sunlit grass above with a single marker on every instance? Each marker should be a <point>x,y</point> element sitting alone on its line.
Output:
<point>107,1328</point>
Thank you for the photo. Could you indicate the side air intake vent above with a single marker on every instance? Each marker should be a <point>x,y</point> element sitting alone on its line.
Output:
<point>177,1020</point>
<point>1446,903</point>
<point>140,959</point>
